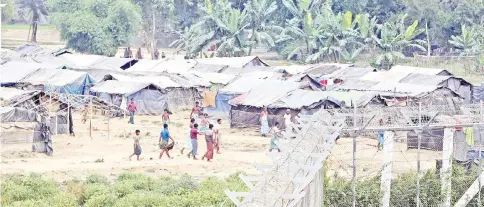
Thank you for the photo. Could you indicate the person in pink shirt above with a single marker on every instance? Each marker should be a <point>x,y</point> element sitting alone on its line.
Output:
<point>132,109</point>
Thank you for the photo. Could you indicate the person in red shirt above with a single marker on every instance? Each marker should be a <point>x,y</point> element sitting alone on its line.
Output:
<point>194,139</point>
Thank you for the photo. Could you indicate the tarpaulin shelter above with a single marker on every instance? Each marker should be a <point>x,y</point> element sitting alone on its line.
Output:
<point>478,94</point>
<point>235,88</point>
<point>60,81</point>
<point>14,71</point>
<point>19,125</point>
<point>238,62</point>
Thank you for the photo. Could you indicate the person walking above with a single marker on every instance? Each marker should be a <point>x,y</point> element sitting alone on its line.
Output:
<point>217,135</point>
<point>136,146</point>
<point>288,123</point>
<point>381,136</point>
<point>194,139</point>
<point>128,53</point>
<point>195,112</point>
<point>209,139</point>
<point>166,117</point>
<point>132,108</point>
<point>156,55</point>
<point>139,56</point>
<point>264,122</point>
<point>164,139</point>
<point>84,114</point>
<point>188,145</point>
<point>275,136</point>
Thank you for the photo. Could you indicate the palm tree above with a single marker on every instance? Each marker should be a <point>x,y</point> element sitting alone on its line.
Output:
<point>37,10</point>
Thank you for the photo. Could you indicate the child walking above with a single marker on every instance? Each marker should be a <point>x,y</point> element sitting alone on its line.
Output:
<point>136,145</point>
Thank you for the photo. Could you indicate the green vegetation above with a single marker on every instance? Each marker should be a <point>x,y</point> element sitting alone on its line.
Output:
<point>130,189</point>
<point>26,27</point>
<point>96,27</point>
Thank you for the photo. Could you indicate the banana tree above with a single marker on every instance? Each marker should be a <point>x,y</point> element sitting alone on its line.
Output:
<point>259,14</point>
<point>394,38</point>
<point>467,41</point>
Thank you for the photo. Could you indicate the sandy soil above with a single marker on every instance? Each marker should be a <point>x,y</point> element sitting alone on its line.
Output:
<point>77,157</point>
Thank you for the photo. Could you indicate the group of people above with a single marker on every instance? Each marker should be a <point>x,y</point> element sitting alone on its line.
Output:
<point>212,133</point>
<point>275,132</point>
<point>129,54</point>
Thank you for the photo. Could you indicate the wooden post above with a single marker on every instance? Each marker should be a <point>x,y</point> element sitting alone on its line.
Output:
<point>109,117</point>
<point>68,116</point>
<point>90,117</point>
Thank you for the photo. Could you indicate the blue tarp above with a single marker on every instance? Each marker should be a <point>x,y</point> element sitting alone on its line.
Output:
<point>222,109</point>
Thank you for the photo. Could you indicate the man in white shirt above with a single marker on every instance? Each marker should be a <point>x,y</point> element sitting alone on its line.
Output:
<point>287,123</point>
<point>218,135</point>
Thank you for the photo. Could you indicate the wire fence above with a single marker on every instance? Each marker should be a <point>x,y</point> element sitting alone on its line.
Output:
<point>393,156</point>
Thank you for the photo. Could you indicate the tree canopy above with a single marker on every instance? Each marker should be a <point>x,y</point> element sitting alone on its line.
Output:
<point>96,27</point>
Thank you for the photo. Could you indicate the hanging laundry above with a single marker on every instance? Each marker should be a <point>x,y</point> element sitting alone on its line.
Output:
<point>469,131</point>
<point>209,99</point>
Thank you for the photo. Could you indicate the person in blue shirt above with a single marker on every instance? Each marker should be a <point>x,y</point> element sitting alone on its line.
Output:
<point>164,138</point>
<point>381,135</point>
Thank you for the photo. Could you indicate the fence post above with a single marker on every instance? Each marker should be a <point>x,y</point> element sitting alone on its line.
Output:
<point>354,157</point>
<point>90,117</point>
<point>479,171</point>
<point>109,117</point>
<point>446,170</point>
<point>419,137</point>
<point>387,164</point>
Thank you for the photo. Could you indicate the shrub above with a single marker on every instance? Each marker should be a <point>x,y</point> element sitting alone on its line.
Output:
<point>101,200</point>
<point>96,179</point>
<point>96,189</point>
<point>63,200</point>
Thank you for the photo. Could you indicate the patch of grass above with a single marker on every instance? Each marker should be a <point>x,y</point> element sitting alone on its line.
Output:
<point>26,27</point>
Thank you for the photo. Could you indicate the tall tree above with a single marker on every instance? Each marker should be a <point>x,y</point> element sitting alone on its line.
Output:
<point>37,10</point>
<point>260,14</point>
<point>426,12</point>
<point>96,27</point>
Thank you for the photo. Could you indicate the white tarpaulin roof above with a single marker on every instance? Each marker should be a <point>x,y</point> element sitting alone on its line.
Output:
<point>119,87</point>
<point>409,69</point>
<point>216,78</point>
<point>144,65</point>
<point>14,114</point>
<point>241,85</point>
<point>410,89</point>
<point>14,71</point>
<point>9,93</point>
<point>81,61</point>
<point>268,92</point>
<point>293,69</point>
<point>238,62</point>
<point>173,66</point>
<point>384,76</point>
<point>298,99</point>
<point>160,81</point>
<point>53,77</point>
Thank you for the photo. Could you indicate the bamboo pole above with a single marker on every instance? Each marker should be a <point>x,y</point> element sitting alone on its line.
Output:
<point>68,115</point>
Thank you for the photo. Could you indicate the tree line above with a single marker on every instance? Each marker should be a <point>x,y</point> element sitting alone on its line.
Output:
<point>307,31</point>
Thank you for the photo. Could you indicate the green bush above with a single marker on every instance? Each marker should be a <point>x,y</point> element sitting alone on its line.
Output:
<point>138,190</point>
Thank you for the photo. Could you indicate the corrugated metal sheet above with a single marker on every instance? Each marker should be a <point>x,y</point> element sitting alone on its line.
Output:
<point>54,77</point>
<point>188,80</point>
<point>268,92</point>
<point>425,71</point>
<point>238,62</point>
<point>14,71</point>
<point>422,79</point>
<point>241,85</point>
<point>119,87</point>
<point>359,98</point>
<point>216,78</point>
